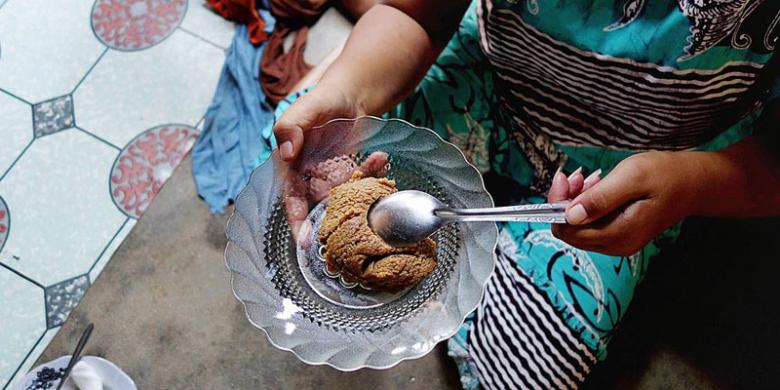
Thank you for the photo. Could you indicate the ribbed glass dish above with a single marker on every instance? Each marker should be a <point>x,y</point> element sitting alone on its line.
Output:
<point>267,276</point>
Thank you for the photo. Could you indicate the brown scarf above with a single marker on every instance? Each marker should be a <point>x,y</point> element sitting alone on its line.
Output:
<point>242,11</point>
<point>280,71</point>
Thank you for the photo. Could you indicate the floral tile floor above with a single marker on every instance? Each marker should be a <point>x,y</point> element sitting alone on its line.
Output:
<point>99,102</point>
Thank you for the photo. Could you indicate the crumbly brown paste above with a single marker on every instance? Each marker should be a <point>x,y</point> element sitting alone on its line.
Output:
<point>354,250</point>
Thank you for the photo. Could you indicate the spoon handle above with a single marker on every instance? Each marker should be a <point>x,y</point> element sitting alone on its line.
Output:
<point>76,356</point>
<point>539,212</point>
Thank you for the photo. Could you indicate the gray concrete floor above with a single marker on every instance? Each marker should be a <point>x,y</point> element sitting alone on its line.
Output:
<point>706,316</point>
<point>164,312</point>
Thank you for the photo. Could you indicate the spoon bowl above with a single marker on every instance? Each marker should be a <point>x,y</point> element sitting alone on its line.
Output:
<point>406,217</point>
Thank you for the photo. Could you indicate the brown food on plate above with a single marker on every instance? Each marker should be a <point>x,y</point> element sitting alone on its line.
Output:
<point>354,250</point>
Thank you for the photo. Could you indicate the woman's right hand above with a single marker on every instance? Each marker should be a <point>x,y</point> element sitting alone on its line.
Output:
<point>308,178</point>
<point>321,104</point>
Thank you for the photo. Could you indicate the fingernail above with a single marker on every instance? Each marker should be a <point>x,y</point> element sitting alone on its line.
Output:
<point>578,170</point>
<point>286,150</point>
<point>558,175</point>
<point>304,233</point>
<point>593,176</point>
<point>576,215</point>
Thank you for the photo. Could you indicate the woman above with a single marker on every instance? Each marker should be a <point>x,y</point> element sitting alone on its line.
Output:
<point>673,98</point>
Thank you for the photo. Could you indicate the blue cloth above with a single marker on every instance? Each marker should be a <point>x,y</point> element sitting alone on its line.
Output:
<point>224,155</point>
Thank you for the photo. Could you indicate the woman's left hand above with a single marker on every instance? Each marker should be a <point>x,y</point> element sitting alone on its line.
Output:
<point>619,214</point>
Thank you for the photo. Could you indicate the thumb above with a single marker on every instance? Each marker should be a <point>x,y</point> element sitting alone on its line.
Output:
<point>604,197</point>
<point>302,115</point>
<point>375,164</point>
<point>559,189</point>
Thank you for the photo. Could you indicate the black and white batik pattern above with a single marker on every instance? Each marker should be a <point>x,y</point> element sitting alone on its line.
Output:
<point>718,22</point>
<point>578,97</point>
<point>556,93</point>
<point>517,340</point>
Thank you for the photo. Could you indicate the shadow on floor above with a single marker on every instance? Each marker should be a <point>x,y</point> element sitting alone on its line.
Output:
<point>707,314</point>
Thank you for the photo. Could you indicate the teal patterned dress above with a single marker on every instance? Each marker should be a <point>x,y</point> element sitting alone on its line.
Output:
<point>528,86</point>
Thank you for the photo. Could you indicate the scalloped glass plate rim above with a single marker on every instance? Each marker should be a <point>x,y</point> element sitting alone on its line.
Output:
<point>431,346</point>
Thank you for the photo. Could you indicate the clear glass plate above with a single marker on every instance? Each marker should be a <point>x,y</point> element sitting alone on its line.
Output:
<point>348,327</point>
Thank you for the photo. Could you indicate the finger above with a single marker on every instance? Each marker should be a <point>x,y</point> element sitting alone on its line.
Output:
<point>294,197</point>
<point>576,182</point>
<point>289,128</point>
<point>327,174</point>
<point>319,189</point>
<point>596,233</point>
<point>304,234</point>
<point>297,209</point>
<point>289,137</point>
<point>375,164</point>
<point>591,180</point>
<point>599,248</point>
<point>612,192</point>
<point>559,190</point>
<point>615,234</point>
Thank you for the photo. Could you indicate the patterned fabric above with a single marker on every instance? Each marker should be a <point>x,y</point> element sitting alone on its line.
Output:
<point>534,103</point>
<point>525,87</point>
<point>516,338</point>
<point>669,75</point>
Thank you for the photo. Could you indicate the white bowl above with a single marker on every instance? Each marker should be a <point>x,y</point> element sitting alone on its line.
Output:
<point>113,377</point>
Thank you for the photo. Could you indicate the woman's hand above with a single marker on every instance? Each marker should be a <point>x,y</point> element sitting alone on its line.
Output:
<point>306,182</point>
<point>320,105</point>
<point>310,183</point>
<point>619,214</point>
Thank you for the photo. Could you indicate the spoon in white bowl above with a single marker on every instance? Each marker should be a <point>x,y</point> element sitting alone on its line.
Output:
<point>407,217</point>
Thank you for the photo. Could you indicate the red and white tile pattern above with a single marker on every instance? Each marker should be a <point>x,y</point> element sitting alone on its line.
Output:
<point>136,24</point>
<point>99,102</point>
<point>146,163</point>
<point>5,223</point>
<point>129,92</point>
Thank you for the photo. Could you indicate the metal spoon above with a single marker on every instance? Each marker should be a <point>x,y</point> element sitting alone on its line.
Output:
<point>407,217</point>
<point>76,356</point>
